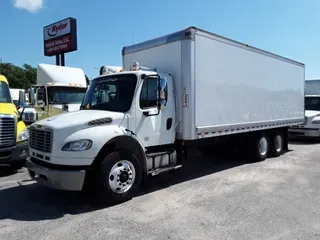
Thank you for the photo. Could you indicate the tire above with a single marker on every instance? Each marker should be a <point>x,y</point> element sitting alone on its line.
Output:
<point>277,144</point>
<point>260,147</point>
<point>119,178</point>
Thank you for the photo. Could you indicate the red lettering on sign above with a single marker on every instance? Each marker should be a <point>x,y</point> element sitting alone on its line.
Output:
<point>56,28</point>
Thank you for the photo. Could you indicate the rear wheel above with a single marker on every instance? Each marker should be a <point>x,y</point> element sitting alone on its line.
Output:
<point>260,147</point>
<point>119,177</point>
<point>277,144</point>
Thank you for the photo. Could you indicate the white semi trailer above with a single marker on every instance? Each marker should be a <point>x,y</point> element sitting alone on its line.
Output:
<point>199,89</point>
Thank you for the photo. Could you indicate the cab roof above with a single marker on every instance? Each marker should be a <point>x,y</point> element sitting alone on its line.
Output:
<point>137,72</point>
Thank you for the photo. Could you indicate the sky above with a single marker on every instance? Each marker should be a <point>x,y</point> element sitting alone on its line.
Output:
<point>289,28</point>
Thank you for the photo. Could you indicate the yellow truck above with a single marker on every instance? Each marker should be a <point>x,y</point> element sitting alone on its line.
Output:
<point>14,134</point>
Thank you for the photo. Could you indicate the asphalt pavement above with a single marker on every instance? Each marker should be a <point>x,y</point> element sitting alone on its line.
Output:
<point>210,198</point>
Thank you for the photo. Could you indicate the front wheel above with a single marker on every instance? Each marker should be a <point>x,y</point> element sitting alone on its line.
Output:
<point>119,177</point>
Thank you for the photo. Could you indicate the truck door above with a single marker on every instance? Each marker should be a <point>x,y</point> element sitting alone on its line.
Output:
<point>156,126</point>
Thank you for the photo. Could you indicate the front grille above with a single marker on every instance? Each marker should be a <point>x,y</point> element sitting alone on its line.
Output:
<point>7,131</point>
<point>40,139</point>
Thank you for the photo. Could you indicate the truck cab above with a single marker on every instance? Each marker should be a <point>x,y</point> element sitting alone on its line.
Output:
<point>58,89</point>
<point>311,126</point>
<point>13,132</point>
<point>132,110</point>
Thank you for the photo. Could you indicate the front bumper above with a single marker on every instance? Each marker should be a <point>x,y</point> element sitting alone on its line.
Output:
<point>304,132</point>
<point>71,180</point>
<point>13,155</point>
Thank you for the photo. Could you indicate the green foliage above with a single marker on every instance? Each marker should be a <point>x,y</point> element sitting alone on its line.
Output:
<point>19,77</point>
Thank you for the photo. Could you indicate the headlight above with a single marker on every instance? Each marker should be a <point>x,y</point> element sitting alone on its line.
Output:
<point>316,122</point>
<point>24,135</point>
<point>79,145</point>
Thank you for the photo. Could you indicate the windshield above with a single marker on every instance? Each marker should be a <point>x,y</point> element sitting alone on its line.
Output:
<point>312,103</point>
<point>4,93</point>
<point>65,95</point>
<point>111,93</point>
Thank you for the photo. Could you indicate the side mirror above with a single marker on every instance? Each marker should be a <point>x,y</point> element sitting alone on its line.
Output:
<point>154,111</point>
<point>151,112</point>
<point>21,114</point>
<point>31,96</point>
<point>65,107</point>
<point>39,97</point>
<point>22,98</point>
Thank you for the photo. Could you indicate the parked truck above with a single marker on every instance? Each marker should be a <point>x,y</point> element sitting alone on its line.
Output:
<point>187,89</point>
<point>59,89</point>
<point>13,132</point>
<point>311,126</point>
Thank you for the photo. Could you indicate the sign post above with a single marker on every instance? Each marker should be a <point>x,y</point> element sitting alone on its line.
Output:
<point>60,38</point>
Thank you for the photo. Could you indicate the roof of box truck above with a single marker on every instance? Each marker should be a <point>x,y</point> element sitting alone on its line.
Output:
<point>55,75</point>
<point>189,33</point>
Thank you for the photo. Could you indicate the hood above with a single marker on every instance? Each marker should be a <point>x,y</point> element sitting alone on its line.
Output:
<point>8,108</point>
<point>311,113</point>
<point>78,118</point>
<point>71,107</point>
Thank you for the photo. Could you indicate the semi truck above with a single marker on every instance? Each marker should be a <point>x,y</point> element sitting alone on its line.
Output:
<point>13,132</point>
<point>189,89</point>
<point>311,126</point>
<point>59,89</point>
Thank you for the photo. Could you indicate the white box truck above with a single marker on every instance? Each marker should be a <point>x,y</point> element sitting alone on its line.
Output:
<point>311,126</point>
<point>200,88</point>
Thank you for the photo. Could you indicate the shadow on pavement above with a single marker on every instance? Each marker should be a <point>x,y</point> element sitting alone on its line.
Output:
<point>31,202</point>
<point>4,172</point>
<point>303,140</point>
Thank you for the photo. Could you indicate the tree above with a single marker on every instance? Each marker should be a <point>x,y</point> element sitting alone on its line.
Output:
<point>19,77</point>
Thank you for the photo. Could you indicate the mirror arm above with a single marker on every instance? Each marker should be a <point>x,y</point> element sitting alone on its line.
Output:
<point>20,116</point>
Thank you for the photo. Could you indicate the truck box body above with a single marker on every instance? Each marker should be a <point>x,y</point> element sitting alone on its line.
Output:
<point>223,86</point>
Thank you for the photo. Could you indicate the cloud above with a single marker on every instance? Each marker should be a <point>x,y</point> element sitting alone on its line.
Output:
<point>31,6</point>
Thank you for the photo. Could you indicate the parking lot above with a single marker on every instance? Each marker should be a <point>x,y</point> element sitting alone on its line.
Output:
<point>210,198</point>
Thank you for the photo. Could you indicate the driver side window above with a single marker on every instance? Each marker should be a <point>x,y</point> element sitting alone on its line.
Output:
<point>149,93</point>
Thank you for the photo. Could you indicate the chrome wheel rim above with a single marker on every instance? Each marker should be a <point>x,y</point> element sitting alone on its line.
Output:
<point>122,176</point>
<point>263,146</point>
<point>278,143</point>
